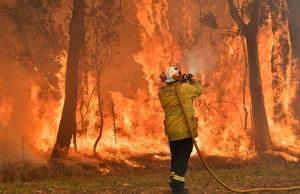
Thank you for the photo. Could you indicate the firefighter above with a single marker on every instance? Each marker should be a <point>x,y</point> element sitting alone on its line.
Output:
<point>176,128</point>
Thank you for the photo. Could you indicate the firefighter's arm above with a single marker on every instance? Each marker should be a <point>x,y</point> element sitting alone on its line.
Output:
<point>196,89</point>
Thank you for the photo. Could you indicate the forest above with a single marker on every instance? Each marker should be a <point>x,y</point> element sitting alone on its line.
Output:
<point>79,84</point>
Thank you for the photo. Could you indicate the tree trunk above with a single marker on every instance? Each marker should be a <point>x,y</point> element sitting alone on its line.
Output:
<point>281,55</point>
<point>260,123</point>
<point>294,28</point>
<point>250,31</point>
<point>100,110</point>
<point>67,125</point>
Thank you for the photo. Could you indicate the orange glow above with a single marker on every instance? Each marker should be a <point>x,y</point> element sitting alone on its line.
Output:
<point>5,110</point>
<point>139,119</point>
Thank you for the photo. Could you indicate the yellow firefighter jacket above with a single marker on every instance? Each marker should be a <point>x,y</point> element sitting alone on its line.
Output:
<point>176,127</point>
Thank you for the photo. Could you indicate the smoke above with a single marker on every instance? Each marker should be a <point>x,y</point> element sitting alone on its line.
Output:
<point>16,132</point>
<point>200,63</point>
<point>16,116</point>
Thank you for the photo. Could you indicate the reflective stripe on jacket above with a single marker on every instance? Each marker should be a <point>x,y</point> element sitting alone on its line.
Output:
<point>176,127</point>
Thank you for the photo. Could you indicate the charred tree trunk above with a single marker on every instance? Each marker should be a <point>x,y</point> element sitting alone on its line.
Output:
<point>294,28</point>
<point>260,123</point>
<point>250,31</point>
<point>67,125</point>
<point>281,55</point>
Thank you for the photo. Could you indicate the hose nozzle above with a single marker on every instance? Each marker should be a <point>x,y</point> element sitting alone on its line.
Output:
<point>187,77</point>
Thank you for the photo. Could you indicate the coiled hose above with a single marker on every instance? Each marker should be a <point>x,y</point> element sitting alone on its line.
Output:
<point>212,173</point>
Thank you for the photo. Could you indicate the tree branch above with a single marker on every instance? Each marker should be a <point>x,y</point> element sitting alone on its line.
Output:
<point>88,106</point>
<point>235,16</point>
<point>237,108</point>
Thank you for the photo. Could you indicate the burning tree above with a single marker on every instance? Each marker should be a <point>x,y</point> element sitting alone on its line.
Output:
<point>250,32</point>
<point>38,44</point>
<point>41,41</point>
<point>103,16</point>
<point>281,58</point>
<point>67,125</point>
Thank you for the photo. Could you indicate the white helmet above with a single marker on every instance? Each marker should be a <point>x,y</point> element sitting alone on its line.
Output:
<point>169,73</point>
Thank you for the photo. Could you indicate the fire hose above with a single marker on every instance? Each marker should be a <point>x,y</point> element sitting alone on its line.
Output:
<point>209,169</point>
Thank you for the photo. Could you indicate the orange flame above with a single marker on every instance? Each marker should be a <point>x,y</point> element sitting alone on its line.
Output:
<point>139,120</point>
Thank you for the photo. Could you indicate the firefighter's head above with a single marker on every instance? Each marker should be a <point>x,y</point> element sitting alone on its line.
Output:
<point>171,74</point>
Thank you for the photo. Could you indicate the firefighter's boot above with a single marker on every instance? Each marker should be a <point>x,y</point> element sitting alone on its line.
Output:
<point>178,187</point>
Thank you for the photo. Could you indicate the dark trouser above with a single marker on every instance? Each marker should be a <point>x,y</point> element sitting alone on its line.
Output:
<point>180,155</point>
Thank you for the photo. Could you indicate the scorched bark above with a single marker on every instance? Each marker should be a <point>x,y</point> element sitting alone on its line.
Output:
<point>67,125</point>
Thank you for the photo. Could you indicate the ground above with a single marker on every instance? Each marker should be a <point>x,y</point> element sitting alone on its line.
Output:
<point>151,178</point>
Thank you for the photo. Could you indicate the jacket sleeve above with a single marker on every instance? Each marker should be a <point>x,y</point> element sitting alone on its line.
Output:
<point>195,89</point>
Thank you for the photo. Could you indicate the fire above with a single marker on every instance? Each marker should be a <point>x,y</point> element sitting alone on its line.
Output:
<point>5,110</point>
<point>283,132</point>
<point>139,119</point>
<point>49,121</point>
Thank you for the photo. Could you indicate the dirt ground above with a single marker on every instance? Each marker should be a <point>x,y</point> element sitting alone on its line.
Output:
<point>152,177</point>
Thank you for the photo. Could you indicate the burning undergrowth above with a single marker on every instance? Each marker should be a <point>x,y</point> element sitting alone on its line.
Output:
<point>77,166</point>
